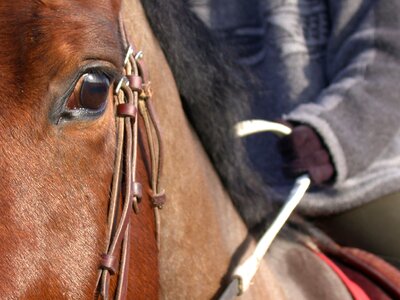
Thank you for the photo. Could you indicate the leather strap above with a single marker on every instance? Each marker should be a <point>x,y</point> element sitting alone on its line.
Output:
<point>132,92</point>
<point>155,146</point>
<point>125,166</point>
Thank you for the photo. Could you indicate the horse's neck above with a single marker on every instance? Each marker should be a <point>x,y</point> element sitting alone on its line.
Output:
<point>202,235</point>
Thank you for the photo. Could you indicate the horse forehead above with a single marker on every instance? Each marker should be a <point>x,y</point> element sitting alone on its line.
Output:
<point>56,33</point>
<point>112,6</point>
<point>79,7</point>
<point>42,11</point>
<point>115,5</point>
<point>22,17</point>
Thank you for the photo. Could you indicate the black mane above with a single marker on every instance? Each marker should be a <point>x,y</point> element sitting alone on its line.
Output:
<point>214,99</point>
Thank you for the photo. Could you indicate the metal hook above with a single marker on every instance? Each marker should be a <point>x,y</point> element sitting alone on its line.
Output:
<point>139,55</point>
<point>122,81</point>
<point>129,52</point>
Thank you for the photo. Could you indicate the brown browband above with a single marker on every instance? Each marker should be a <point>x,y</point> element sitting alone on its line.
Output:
<point>132,93</point>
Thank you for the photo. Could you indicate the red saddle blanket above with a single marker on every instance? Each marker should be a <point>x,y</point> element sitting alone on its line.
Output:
<point>365,275</point>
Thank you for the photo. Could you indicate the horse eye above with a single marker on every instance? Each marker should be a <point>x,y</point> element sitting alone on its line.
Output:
<point>91,92</point>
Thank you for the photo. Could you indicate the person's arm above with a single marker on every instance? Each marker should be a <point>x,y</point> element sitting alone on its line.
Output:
<point>358,114</point>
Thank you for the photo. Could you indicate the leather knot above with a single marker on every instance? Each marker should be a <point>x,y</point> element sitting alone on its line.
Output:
<point>135,83</point>
<point>146,92</point>
<point>126,110</point>
<point>109,263</point>
<point>158,200</point>
<point>137,190</point>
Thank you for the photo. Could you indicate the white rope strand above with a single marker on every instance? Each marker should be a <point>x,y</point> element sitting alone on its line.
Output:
<point>245,272</point>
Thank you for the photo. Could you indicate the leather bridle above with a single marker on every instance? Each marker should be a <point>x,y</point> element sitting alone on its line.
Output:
<point>132,98</point>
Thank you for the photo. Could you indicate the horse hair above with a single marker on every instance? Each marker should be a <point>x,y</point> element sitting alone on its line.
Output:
<point>214,99</point>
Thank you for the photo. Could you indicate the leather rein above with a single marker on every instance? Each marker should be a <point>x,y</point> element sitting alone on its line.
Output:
<point>132,99</point>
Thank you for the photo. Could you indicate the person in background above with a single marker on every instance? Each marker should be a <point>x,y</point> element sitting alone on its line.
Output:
<point>331,70</point>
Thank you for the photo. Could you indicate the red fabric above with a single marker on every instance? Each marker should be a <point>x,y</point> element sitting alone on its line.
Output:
<point>379,275</point>
<point>370,288</point>
<point>374,268</point>
<point>353,288</point>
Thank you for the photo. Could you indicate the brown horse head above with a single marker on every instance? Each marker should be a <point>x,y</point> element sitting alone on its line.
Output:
<point>58,62</point>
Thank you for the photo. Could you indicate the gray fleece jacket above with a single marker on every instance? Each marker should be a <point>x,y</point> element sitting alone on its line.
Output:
<point>331,64</point>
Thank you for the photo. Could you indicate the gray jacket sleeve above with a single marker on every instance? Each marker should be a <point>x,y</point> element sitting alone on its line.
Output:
<point>358,114</point>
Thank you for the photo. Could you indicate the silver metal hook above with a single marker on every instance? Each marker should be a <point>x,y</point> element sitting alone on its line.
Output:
<point>129,52</point>
<point>139,55</point>
<point>122,81</point>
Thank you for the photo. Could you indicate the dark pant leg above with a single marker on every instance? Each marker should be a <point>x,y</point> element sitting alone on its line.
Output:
<point>374,227</point>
